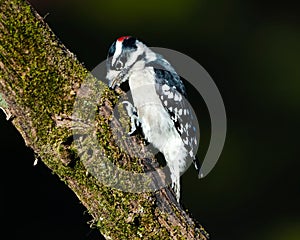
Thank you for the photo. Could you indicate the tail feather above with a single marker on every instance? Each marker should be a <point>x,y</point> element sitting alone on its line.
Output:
<point>176,186</point>
<point>196,163</point>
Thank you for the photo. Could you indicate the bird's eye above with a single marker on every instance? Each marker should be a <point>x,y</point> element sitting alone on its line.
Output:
<point>119,65</point>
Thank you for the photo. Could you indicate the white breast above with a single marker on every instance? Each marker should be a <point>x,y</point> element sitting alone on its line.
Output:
<point>156,123</point>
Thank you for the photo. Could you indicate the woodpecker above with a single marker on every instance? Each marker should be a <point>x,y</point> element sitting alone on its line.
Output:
<point>159,103</point>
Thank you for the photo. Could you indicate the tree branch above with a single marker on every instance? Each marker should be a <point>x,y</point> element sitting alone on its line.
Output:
<point>39,81</point>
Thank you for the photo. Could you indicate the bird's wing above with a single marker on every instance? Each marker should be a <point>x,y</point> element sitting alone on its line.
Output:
<point>172,94</point>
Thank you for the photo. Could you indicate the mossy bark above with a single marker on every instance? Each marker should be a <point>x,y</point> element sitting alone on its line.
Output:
<point>39,81</point>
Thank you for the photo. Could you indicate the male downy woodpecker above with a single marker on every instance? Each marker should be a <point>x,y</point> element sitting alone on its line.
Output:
<point>159,104</point>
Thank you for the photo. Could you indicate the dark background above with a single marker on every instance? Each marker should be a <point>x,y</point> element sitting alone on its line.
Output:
<point>251,49</point>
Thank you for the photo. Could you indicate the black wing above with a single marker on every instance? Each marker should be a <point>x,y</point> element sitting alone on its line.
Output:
<point>173,97</point>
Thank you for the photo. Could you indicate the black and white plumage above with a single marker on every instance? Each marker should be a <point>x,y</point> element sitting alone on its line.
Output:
<point>159,104</point>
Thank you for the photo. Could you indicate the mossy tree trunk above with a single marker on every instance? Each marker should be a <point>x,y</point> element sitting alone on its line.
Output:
<point>39,81</point>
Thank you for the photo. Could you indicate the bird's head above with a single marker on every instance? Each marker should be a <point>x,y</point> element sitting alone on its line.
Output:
<point>125,54</point>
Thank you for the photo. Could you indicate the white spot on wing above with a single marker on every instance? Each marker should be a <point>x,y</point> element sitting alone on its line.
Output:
<point>180,130</point>
<point>170,95</point>
<point>177,97</point>
<point>165,87</point>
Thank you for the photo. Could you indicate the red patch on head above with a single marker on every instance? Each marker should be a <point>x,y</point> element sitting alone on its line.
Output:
<point>121,39</point>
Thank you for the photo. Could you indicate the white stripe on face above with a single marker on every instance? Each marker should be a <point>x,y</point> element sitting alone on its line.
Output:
<point>118,51</point>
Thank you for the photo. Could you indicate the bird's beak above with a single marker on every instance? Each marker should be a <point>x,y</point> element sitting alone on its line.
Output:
<point>115,82</point>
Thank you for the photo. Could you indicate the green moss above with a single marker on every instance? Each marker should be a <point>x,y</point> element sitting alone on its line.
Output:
<point>45,82</point>
<point>3,104</point>
<point>45,70</point>
<point>44,77</point>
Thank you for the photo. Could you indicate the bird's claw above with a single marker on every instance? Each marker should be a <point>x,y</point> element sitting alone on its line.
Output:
<point>132,113</point>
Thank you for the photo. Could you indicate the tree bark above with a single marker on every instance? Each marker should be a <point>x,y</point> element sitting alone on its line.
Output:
<point>39,82</point>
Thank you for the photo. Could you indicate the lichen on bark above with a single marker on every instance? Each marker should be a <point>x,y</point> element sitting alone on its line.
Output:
<point>39,82</point>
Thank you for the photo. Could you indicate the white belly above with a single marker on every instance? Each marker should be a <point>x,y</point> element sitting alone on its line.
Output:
<point>157,125</point>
